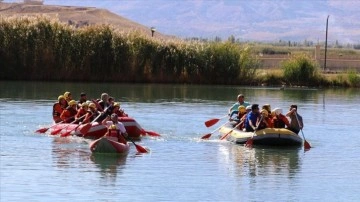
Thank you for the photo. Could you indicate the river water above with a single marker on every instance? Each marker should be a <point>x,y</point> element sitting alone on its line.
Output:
<point>180,166</point>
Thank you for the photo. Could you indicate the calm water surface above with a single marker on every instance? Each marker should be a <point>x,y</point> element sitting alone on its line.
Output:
<point>180,167</point>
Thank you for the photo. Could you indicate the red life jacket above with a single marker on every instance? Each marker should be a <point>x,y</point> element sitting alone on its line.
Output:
<point>81,112</point>
<point>115,133</point>
<point>278,123</point>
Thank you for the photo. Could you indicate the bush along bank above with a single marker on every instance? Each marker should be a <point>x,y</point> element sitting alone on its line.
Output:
<point>301,70</point>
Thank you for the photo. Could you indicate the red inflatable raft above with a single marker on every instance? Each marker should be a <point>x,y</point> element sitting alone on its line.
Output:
<point>105,145</point>
<point>97,130</point>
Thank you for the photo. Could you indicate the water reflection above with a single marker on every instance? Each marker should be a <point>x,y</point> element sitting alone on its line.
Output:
<point>61,154</point>
<point>109,164</point>
<point>173,92</point>
<point>124,92</point>
<point>68,153</point>
<point>263,161</point>
<point>301,95</point>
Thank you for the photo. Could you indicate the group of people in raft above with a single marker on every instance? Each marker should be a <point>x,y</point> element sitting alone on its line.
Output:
<point>104,111</point>
<point>250,118</point>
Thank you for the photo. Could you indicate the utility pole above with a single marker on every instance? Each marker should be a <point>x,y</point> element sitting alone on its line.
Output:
<point>152,31</point>
<point>327,22</point>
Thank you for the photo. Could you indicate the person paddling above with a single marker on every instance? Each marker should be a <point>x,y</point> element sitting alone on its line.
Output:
<point>279,120</point>
<point>68,97</point>
<point>58,108</point>
<point>267,107</point>
<point>251,118</point>
<point>116,130</point>
<point>92,113</point>
<point>296,121</point>
<point>242,117</point>
<point>104,101</point>
<point>264,121</point>
<point>118,111</point>
<point>82,111</point>
<point>240,101</point>
<point>68,115</point>
<point>82,99</point>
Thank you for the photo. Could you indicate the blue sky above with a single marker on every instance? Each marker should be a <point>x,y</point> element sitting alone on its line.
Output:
<point>260,20</point>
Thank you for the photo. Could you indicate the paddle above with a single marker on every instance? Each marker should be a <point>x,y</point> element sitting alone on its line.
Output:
<point>224,136</point>
<point>57,131</point>
<point>207,136</point>
<point>150,133</point>
<point>85,127</point>
<point>43,130</point>
<point>212,122</point>
<point>139,148</point>
<point>100,114</point>
<point>98,106</point>
<point>68,132</point>
<point>306,144</point>
<point>250,141</point>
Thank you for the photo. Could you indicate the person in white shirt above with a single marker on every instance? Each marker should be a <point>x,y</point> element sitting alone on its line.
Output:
<point>116,129</point>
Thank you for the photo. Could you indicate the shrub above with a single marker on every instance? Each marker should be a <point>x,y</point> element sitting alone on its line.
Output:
<point>300,70</point>
<point>354,79</point>
<point>271,51</point>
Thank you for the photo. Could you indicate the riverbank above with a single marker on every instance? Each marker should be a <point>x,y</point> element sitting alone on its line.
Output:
<point>40,48</point>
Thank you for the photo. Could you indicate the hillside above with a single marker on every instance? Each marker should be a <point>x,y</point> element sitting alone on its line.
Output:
<point>78,16</point>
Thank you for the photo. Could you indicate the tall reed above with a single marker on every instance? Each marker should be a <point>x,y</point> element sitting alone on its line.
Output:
<point>39,48</point>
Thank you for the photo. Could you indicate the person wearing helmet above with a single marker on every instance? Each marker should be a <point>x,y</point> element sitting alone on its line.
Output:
<point>82,111</point>
<point>241,117</point>
<point>241,111</point>
<point>116,129</point>
<point>68,115</point>
<point>279,120</point>
<point>58,108</point>
<point>118,111</point>
<point>68,97</point>
<point>92,113</point>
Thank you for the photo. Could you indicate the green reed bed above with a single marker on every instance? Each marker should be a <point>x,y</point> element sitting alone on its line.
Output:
<point>38,48</point>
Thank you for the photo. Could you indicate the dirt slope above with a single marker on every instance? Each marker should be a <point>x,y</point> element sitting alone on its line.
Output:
<point>79,16</point>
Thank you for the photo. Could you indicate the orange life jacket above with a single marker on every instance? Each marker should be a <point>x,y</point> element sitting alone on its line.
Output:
<point>68,115</point>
